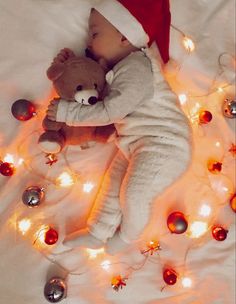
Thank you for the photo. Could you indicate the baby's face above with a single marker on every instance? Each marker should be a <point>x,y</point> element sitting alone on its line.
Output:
<point>105,41</point>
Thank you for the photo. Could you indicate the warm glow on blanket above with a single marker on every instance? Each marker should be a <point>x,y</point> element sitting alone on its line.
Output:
<point>106,264</point>
<point>93,253</point>
<point>65,180</point>
<point>182,99</point>
<point>87,187</point>
<point>9,158</point>
<point>40,234</point>
<point>186,282</point>
<point>197,229</point>
<point>205,210</point>
<point>188,44</point>
<point>24,225</point>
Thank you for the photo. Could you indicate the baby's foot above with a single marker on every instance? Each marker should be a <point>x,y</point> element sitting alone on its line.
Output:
<point>82,238</point>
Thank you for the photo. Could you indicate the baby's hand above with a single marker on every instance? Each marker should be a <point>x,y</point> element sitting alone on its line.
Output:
<point>52,110</point>
<point>63,55</point>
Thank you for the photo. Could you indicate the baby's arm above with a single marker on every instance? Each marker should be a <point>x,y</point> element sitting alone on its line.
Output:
<point>126,94</point>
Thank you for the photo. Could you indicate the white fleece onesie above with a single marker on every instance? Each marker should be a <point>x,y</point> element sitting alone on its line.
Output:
<point>153,138</point>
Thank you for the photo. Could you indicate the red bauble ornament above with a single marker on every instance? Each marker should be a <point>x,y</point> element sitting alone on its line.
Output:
<point>23,109</point>
<point>170,276</point>
<point>219,233</point>
<point>7,169</point>
<point>233,202</point>
<point>51,236</point>
<point>177,223</point>
<point>205,117</point>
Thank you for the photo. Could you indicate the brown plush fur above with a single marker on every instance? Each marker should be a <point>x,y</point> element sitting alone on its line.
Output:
<point>66,77</point>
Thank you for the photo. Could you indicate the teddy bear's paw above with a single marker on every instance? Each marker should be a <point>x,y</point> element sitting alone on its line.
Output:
<point>50,147</point>
<point>51,142</point>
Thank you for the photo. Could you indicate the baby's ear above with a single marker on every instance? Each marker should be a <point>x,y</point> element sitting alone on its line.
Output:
<point>55,71</point>
<point>124,41</point>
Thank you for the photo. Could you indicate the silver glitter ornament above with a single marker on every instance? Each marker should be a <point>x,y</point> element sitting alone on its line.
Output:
<point>229,108</point>
<point>33,196</point>
<point>55,290</point>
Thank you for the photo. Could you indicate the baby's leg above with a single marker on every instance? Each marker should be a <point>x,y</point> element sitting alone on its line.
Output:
<point>142,184</point>
<point>105,216</point>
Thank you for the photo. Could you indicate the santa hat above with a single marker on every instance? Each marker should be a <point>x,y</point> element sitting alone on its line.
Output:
<point>141,21</point>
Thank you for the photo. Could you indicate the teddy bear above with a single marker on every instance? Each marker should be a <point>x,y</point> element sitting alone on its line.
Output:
<point>77,79</point>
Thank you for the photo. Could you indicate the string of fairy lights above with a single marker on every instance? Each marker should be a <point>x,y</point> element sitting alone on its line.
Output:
<point>45,236</point>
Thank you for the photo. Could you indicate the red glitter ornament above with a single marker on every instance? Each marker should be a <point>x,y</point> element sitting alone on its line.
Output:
<point>7,169</point>
<point>233,202</point>
<point>170,276</point>
<point>177,223</point>
<point>205,117</point>
<point>219,233</point>
<point>51,236</point>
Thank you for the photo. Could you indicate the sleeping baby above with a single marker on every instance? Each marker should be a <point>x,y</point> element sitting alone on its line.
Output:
<point>152,133</point>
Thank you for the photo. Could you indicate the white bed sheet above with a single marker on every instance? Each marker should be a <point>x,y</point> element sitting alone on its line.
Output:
<point>31,33</point>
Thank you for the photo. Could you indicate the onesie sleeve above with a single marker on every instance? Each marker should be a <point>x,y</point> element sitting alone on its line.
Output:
<point>126,94</point>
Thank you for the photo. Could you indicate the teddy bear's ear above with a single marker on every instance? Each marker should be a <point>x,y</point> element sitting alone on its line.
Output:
<point>55,71</point>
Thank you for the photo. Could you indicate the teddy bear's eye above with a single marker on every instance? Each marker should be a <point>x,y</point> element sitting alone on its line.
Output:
<point>95,86</point>
<point>79,87</point>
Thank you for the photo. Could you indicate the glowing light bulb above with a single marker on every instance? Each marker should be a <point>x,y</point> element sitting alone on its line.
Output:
<point>106,264</point>
<point>194,113</point>
<point>9,158</point>
<point>87,187</point>
<point>93,253</point>
<point>187,282</point>
<point>20,161</point>
<point>188,44</point>
<point>182,99</point>
<point>24,225</point>
<point>65,180</point>
<point>197,229</point>
<point>205,210</point>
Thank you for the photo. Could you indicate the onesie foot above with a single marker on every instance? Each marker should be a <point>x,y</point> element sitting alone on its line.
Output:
<point>82,238</point>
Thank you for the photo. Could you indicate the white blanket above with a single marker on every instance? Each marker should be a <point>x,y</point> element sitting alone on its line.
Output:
<point>31,33</point>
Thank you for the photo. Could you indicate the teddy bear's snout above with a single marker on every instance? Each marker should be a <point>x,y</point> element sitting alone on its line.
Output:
<point>86,97</point>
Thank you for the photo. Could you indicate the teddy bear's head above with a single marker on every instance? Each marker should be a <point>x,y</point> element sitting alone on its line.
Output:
<point>78,79</point>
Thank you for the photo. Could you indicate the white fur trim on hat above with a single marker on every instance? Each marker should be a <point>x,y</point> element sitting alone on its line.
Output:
<point>124,21</point>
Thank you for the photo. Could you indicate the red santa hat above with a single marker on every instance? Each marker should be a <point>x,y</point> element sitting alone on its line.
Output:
<point>141,21</point>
